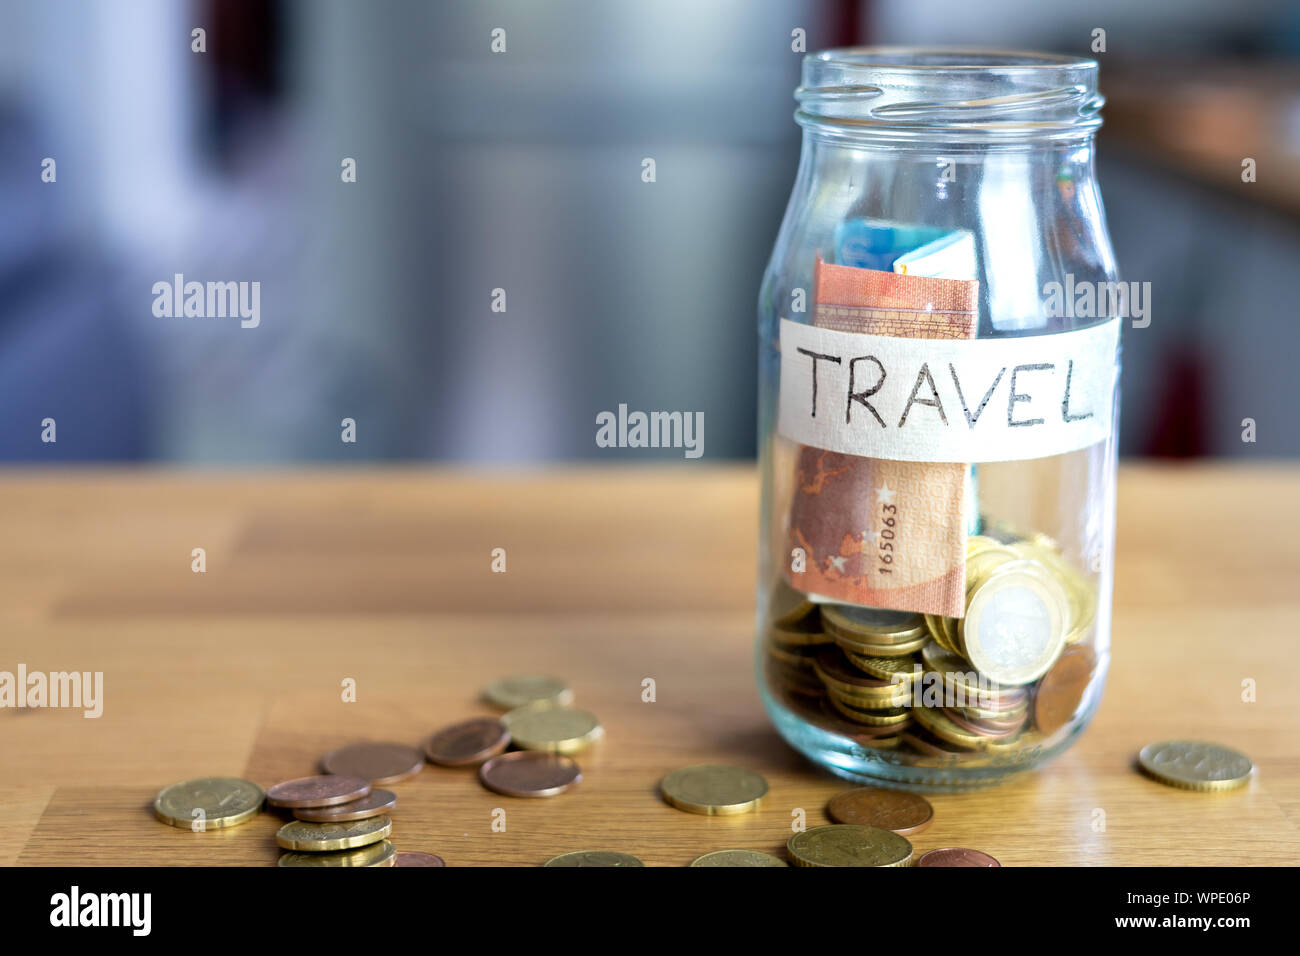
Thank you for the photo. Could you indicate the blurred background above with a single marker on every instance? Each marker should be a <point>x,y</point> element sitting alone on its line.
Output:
<point>521,171</point>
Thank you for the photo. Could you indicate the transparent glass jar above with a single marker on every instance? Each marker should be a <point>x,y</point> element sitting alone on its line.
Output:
<point>938,389</point>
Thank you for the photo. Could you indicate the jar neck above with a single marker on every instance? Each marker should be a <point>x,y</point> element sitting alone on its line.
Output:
<point>901,97</point>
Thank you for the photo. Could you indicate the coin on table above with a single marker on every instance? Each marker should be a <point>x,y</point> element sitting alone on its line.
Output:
<point>1014,628</point>
<point>738,858</point>
<point>1062,688</point>
<point>529,773</point>
<point>325,790</point>
<point>376,803</point>
<point>841,844</point>
<point>216,801</point>
<point>903,813</point>
<point>380,763</point>
<point>594,858</point>
<point>713,789</point>
<point>1193,765</point>
<point>376,854</point>
<point>418,858</point>
<point>322,837</point>
<point>468,743</point>
<point>521,689</point>
<point>559,730</point>
<point>956,856</point>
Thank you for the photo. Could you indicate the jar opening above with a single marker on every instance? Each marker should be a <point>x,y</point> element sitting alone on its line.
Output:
<point>955,93</point>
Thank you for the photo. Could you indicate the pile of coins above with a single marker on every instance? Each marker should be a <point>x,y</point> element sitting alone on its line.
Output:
<point>342,816</point>
<point>1007,675</point>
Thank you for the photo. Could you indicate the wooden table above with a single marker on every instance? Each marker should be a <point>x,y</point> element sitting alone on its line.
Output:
<point>613,575</point>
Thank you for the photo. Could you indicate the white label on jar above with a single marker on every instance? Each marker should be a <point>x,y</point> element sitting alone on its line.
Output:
<point>967,400</point>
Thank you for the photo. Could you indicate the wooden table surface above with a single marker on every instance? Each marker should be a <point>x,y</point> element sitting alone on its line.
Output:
<point>613,575</point>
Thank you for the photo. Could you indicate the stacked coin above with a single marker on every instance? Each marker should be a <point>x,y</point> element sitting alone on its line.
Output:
<point>793,640</point>
<point>539,723</point>
<point>339,830</point>
<point>1017,663</point>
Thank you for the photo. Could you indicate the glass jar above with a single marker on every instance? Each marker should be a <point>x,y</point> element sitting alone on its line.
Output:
<point>938,385</point>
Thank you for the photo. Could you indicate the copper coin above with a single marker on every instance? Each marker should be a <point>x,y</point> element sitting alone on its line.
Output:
<point>377,762</point>
<point>416,858</point>
<point>1062,688</point>
<point>468,742</point>
<point>956,856</point>
<point>985,728</point>
<point>376,803</point>
<point>530,773</point>
<point>904,813</point>
<point>326,790</point>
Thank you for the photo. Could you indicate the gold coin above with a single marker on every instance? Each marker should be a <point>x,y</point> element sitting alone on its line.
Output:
<point>320,837</point>
<point>522,689</point>
<point>869,625</point>
<point>871,716</point>
<point>868,649</point>
<point>846,844</point>
<point>900,669</point>
<point>738,858</point>
<point>1193,765</point>
<point>788,606</point>
<point>794,658</point>
<point>979,564</point>
<point>594,858</point>
<point>833,670</point>
<point>945,728</point>
<point>979,542</point>
<point>804,633</point>
<point>557,730</point>
<point>376,854</point>
<point>1014,628</point>
<point>220,802</point>
<point>713,789</point>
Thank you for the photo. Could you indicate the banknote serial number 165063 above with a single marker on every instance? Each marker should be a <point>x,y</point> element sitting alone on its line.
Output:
<point>886,536</point>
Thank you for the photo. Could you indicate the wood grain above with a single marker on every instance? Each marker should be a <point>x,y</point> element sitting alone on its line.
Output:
<point>613,575</point>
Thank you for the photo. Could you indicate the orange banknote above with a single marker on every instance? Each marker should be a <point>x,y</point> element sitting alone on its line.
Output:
<point>888,534</point>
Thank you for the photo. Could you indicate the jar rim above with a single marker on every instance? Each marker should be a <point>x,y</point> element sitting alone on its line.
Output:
<point>965,58</point>
<point>958,93</point>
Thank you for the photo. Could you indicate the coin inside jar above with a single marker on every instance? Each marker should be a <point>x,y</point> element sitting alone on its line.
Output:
<point>467,743</point>
<point>530,773</point>
<point>895,810</point>
<point>376,803</point>
<point>1014,628</point>
<point>1062,688</point>
<point>380,763</point>
<point>325,790</point>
